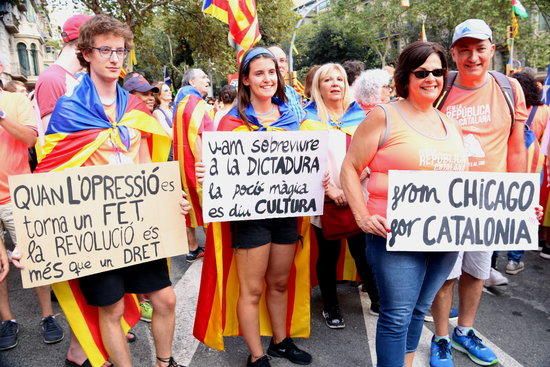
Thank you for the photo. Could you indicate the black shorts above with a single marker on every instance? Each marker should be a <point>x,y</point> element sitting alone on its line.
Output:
<point>105,289</point>
<point>255,233</point>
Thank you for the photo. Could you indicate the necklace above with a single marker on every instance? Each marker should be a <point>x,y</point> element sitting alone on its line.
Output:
<point>107,102</point>
<point>268,113</point>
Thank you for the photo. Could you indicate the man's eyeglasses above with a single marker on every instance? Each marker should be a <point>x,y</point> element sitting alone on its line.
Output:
<point>423,74</point>
<point>388,87</point>
<point>107,52</point>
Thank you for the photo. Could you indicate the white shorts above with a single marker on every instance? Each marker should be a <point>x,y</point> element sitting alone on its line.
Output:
<point>6,221</point>
<point>475,263</point>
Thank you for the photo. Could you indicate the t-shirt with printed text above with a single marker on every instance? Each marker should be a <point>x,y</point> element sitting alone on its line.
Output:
<point>484,117</point>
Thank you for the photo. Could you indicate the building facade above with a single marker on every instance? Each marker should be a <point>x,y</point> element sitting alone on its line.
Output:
<point>24,33</point>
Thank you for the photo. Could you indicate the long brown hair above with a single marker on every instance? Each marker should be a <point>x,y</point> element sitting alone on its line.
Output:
<point>243,91</point>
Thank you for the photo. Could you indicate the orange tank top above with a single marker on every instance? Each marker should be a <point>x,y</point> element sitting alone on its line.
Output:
<point>406,148</point>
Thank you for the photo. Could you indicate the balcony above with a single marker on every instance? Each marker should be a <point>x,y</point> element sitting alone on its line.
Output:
<point>10,22</point>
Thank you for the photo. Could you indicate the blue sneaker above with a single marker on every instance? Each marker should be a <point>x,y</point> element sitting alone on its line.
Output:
<point>441,353</point>
<point>474,348</point>
<point>453,315</point>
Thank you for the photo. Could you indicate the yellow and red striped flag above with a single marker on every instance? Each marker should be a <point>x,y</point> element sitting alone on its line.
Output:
<point>242,18</point>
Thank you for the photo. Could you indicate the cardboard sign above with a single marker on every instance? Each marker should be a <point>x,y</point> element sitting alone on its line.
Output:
<point>263,175</point>
<point>92,219</point>
<point>462,211</point>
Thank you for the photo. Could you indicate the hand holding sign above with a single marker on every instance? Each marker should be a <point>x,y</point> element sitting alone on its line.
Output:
<point>462,211</point>
<point>263,175</point>
<point>92,219</point>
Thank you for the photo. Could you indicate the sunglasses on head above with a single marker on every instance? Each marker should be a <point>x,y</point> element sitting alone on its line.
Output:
<point>423,74</point>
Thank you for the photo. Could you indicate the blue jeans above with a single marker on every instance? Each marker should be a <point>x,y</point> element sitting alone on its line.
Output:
<point>408,283</point>
<point>515,255</point>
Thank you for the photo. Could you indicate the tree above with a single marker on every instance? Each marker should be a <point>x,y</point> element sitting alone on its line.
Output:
<point>384,26</point>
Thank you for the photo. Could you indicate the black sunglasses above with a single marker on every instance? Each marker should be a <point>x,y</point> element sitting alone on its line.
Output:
<point>423,74</point>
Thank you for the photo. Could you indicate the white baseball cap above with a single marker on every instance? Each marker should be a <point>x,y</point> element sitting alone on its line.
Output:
<point>472,28</point>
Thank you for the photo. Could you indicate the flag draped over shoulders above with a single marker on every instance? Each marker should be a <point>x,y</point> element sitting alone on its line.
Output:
<point>77,128</point>
<point>192,116</point>
<point>354,115</point>
<point>216,315</point>
<point>232,121</point>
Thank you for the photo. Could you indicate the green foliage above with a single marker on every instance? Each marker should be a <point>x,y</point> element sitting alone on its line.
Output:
<point>381,27</point>
<point>177,34</point>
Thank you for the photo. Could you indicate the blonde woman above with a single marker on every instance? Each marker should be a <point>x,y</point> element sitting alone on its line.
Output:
<point>333,108</point>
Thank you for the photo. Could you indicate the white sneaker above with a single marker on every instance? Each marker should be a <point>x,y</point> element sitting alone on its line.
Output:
<point>496,279</point>
<point>514,267</point>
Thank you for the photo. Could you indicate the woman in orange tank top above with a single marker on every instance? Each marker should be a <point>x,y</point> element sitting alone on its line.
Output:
<point>401,136</point>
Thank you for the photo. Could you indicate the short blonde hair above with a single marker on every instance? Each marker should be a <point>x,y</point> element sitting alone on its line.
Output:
<point>324,70</point>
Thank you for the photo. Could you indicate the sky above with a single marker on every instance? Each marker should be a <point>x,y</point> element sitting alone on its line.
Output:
<point>59,14</point>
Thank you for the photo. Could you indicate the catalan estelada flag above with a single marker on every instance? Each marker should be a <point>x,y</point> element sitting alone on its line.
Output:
<point>216,315</point>
<point>353,116</point>
<point>77,128</point>
<point>192,116</point>
<point>242,18</point>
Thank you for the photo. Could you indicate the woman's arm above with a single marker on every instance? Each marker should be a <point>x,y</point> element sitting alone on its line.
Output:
<point>363,147</point>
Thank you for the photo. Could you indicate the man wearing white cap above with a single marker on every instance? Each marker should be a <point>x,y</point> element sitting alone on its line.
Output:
<point>491,111</point>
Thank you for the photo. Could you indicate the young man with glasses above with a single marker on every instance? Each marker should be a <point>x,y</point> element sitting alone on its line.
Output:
<point>494,142</point>
<point>87,113</point>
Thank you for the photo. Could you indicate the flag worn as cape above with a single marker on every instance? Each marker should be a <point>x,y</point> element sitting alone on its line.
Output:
<point>242,19</point>
<point>77,128</point>
<point>216,315</point>
<point>353,116</point>
<point>288,120</point>
<point>192,116</point>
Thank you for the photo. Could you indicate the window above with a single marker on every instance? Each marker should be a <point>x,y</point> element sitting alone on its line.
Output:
<point>23,59</point>
<point>34,58</point>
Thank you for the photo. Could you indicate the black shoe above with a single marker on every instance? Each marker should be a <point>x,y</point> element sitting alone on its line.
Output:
<point>375,308</point>
<point>194,255</point>
<point>287,349</point>
<point>51,331</point>
<point>333,318</point>
<point>260,362</point>
<point>8,334</point>
<point>545,253</point>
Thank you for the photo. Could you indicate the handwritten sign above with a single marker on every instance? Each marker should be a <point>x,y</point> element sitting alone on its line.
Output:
<point>93,219</point>
<point>263,175</point>
<point>462,211</point>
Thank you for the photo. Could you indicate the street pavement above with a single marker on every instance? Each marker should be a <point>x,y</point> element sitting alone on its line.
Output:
<point>514,320</point>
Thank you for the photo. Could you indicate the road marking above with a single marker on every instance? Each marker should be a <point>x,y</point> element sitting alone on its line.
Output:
<point>187,291</point>
<point>422,357</point>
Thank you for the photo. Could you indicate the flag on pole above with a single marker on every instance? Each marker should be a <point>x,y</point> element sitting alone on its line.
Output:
<point>242,18</point>
<point>423,36</point>
<point>546,88</point>
<point>518,8</point>
<point>166,77</point>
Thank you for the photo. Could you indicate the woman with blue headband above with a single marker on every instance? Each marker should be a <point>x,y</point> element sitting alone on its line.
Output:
<point>333,108</point>
<point>264,250</point>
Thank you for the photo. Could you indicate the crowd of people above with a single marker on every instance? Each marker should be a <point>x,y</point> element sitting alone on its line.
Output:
<point>378,120</point>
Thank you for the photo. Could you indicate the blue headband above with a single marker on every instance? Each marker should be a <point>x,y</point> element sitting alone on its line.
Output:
<point>256,51</point>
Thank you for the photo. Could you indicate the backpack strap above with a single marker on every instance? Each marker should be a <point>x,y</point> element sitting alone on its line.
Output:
<point>506,88</point>
<point>451,77</point>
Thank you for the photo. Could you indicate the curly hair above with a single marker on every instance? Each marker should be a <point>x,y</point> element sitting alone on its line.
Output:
<point>533,94</point>
<point>99,25</point>
<point>369,84</point>
<point>228,93</point>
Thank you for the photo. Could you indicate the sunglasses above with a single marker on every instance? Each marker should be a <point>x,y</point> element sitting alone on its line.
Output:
<point>423,74</point>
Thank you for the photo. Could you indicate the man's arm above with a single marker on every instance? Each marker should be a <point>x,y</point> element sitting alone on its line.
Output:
<point>23,133</point>
<point>517,154</point>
